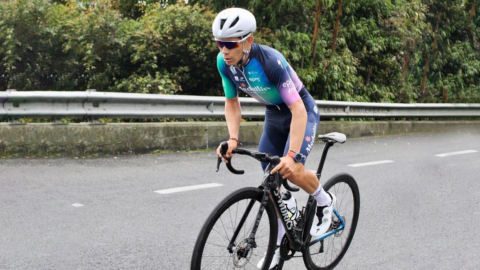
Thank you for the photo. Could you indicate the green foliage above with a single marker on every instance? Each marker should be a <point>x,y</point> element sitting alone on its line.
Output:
<point>60,47</point>
<point>365,50</point>
<point>148,84</point>
<point>177,40</point>
<point>135,9</point>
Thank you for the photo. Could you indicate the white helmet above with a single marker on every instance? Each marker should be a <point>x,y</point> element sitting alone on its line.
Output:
<point>233,22</point>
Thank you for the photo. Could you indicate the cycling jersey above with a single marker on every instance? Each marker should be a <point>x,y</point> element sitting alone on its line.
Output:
<point>266,76</point>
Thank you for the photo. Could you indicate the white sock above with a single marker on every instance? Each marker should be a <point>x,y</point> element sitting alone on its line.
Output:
<point>323,199</point>
<point>281,232</point>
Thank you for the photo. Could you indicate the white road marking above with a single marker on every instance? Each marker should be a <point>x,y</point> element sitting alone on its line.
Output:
<point>457,153</point>
<point>77,205</point>
<point>371,163</point>
<point>187,188</point>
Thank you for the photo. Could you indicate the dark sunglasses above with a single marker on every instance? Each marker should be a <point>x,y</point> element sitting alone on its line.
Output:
<point>230,44</point>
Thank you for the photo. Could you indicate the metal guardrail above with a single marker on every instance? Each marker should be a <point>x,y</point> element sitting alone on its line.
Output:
<point>92,104</point>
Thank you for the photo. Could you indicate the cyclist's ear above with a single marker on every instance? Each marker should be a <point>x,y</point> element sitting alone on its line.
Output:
<point>249,42</point>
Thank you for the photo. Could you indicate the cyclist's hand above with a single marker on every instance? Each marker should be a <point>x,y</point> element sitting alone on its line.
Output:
<point>287,168</point>
<point>232,145</point>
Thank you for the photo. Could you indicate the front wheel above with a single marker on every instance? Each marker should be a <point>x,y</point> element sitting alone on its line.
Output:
<point>327,253</point>
<point>236,215</point>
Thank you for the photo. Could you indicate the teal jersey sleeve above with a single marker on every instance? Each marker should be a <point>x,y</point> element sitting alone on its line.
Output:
<point>228,86</point>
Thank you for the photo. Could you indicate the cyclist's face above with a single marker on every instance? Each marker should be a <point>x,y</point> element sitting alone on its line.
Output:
<point>235,53</point>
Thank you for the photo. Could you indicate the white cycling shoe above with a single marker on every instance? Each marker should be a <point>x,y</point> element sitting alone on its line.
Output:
<point>275,260</point>
<point>323,218</point>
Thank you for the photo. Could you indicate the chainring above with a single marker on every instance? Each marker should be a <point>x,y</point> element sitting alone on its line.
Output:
<point>285,251</point>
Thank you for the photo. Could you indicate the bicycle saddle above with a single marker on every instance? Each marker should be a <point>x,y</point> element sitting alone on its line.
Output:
<point>334,137</point>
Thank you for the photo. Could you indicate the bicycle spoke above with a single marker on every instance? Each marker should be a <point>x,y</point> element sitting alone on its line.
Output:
<point>226,238</point>
<point>223,226</point>
<point>220,246</point>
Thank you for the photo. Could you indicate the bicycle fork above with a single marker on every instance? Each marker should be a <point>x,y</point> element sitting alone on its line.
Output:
<point>251,239</point>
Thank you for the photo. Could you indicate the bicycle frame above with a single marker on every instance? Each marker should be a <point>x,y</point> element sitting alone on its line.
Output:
<point>270,187</point>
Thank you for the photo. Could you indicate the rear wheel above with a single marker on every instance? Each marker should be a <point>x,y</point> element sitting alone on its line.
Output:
<point>212,250</point>
<point>327,253</point>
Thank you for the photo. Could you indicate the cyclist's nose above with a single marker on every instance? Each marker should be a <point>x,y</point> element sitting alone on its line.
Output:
<point>225,50</point>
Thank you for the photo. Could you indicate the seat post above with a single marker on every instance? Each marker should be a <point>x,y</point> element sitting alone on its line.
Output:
<point>328,144</point>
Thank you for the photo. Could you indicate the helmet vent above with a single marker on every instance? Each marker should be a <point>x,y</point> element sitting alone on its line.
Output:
<point>235,21</point>
<point>222,22</point>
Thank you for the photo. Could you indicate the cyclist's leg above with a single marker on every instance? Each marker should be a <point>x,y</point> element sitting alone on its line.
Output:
<point>308,181</point>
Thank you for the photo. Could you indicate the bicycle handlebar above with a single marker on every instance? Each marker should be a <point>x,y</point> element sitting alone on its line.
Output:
<point>263,157</point>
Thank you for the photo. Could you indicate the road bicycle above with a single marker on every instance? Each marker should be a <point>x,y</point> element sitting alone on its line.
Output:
<point>243,227</point>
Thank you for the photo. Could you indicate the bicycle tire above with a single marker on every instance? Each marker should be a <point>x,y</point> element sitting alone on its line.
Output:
<point>210,251</point>
<point>343,186</point>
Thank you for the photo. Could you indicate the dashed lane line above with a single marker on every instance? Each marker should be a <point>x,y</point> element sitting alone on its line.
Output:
<point>371,163</point>
<point>457,153</point>
<point>187,188</point>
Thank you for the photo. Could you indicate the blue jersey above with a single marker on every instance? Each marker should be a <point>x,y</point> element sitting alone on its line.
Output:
<point>266,76</point>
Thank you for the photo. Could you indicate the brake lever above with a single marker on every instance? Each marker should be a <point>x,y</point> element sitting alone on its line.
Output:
<point>218,163</point>
<point>223,151</point>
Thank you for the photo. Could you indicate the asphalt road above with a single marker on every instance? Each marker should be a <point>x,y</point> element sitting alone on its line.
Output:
<point>420,211</point>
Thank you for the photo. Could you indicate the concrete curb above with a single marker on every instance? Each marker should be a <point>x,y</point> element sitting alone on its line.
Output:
<point>80,140</point>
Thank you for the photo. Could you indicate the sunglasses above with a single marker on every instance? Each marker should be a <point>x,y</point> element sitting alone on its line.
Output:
<point>230,44</point>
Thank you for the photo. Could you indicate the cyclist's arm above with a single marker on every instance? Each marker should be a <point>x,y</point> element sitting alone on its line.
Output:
<point>278,72</point>
<point>287,167</point>
<point>233,115</point>
<point>298,125</point>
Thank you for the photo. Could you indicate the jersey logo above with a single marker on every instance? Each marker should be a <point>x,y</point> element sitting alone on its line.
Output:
<point>233,70</point>
<point>254,79</point>
<point>287,83</point>
<point>290,85</point>
<point>310,144</point>
<point>246,89</point>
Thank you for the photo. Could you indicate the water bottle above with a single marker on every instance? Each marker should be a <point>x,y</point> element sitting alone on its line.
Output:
<point>291,204</point>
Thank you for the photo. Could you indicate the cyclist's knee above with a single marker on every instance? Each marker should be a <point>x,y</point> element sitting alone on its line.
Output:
<point>298,177</point>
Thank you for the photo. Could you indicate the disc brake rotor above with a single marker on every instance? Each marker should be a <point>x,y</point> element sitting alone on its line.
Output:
<point>241,256</point>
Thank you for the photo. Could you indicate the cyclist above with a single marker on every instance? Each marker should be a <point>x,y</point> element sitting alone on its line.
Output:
<point>291,115</point>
